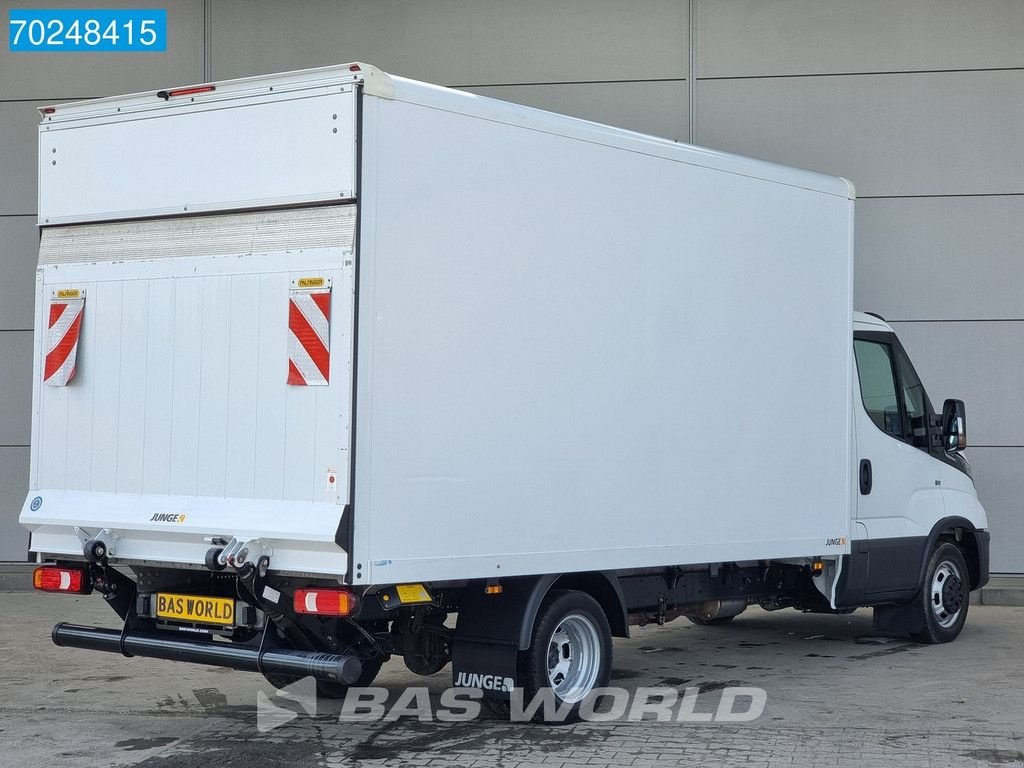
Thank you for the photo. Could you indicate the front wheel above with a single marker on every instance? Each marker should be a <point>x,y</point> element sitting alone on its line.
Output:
<point>945,596</point>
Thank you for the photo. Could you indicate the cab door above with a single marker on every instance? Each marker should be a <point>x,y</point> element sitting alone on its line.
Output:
<point>899,497</point>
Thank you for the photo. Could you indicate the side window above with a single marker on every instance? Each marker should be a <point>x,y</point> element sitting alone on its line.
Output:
<point>878,385</point>
<point>915,402</point>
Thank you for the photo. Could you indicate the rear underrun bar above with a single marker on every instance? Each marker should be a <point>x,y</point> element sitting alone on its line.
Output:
<point>281,661</point>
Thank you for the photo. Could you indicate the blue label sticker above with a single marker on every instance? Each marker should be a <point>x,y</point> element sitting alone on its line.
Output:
<point>37,502</point>
<point>85,29</point>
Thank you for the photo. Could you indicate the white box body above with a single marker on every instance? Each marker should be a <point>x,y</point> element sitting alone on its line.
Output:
<point>555,346</point>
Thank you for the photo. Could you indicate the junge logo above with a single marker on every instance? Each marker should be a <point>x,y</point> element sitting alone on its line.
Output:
<point>486,682</point>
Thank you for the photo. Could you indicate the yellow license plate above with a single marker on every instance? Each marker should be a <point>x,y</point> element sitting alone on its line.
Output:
<point>195,608</point>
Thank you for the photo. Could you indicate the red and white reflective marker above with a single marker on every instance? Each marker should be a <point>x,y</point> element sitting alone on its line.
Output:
<point>65,327</point>
<point>309,332</point>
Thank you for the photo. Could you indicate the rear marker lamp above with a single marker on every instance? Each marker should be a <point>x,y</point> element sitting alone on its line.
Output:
<point>168,95</point>
<point>324,602</point>
<point>49,578</point>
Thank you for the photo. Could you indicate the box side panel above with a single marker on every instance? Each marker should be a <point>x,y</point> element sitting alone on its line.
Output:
<point>576,357</point>
<point>261,150</point>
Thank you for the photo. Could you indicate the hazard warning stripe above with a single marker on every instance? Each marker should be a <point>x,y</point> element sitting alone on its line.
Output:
<point>309,324</point>
<point>65,326</point>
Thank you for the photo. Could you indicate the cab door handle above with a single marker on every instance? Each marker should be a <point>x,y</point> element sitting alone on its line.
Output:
<point>865,477</point>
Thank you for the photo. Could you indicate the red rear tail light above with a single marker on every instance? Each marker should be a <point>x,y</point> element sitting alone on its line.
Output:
<point>325,602</point>
<point>49,578</point>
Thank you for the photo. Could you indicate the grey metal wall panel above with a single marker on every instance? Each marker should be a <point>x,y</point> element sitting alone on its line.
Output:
<point>453,42</point>
<point>907,134</point>
<point>19,121</point>
<point>752,37</point>
<point>15,387</point>
<point>999,477</point>
<point>658,108</point>
<point>42,77</point>
<point>941,258</point>
<point>982,363</point>
<point>19,247</point>
<point>13,487</point>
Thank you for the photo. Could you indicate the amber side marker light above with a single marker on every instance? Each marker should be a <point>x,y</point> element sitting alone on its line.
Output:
<point>48,578</point>
<point>324,602</point>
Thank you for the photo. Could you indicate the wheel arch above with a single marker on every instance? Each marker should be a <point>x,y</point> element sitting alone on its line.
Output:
<point>963,533</point>
<point>604,587</point>
<point>509,617</point>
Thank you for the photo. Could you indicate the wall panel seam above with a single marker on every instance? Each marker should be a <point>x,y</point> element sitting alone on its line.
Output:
<point>691,71</point>
<point>573,82</point>
<point>207,40</point>
<point>943,195</point>
<point>44,100</point>
<point>959,320</point>
<point>860,74</point>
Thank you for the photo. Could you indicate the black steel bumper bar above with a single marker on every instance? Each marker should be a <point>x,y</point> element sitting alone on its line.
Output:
<point>278,661</point>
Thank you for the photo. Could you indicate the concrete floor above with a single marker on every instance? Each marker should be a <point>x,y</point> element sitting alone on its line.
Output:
<point>832,701</point>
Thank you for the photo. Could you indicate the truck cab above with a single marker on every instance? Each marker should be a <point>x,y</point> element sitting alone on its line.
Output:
<point>914,485</point>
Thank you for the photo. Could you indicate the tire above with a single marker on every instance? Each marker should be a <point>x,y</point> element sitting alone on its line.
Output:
<point>721,621</point>
<point>570,653</point>
<point>331,690</point>
<point>945,596</point>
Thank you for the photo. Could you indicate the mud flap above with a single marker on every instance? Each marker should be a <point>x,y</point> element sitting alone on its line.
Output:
<point>899,620</point>
<point>490,667</point>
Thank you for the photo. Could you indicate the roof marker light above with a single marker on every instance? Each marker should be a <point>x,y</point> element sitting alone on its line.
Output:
<point>354,68</point>
<point>49,110</point>
<point>166,95</point>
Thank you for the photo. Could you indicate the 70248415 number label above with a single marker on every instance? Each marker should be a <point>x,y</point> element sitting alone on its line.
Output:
<point>79,30</point>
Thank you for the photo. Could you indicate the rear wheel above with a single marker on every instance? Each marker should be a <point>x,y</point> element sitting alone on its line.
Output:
<point>945,596</point>
<point>570,654</point>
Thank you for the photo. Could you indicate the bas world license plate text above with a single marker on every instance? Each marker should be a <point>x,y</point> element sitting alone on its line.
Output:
<point>197,608</point>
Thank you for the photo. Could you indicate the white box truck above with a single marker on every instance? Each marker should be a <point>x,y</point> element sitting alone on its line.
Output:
<point>326,359</point>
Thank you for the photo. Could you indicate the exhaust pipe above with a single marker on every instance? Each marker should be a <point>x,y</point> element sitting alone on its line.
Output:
<point>330,667</point>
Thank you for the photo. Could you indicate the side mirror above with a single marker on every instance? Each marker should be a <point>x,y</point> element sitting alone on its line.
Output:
<point>954,426</point>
